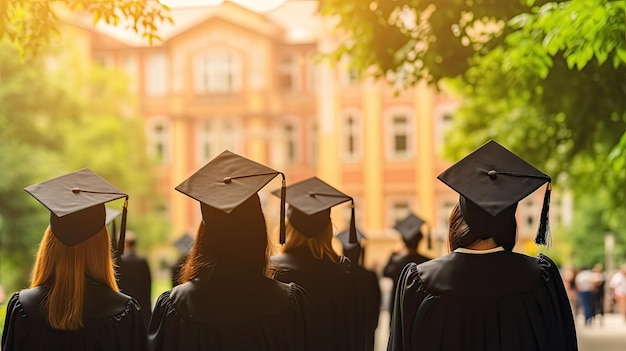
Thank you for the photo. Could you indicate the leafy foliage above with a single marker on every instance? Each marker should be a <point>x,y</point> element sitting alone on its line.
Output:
<point>32,25</point>
<point>57,121</point>
<point>546,78</point>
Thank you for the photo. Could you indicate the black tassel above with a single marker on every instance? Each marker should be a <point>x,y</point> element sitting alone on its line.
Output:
<point>429,239</point>
<point>543,233</point>
<point>120,244</point>
<point>352,239</point>
<point>114,235</point>
<point>283,194</point>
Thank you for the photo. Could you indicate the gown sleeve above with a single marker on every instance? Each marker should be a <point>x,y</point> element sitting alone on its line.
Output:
<point>307,334</point>
<point>163,329</point>
<point>410,293</point>
<point>14,310</point>
<point>564,320</point>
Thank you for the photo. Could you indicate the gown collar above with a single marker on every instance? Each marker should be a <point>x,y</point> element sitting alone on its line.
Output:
<point>478,252</point>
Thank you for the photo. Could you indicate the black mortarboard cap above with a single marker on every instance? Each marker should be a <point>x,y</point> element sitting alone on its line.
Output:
<point>354,251</point>
<point>494,179</point>
<point>410,230</point>
<point>309,206</point>
<point>76,203</point>
<point>228,180</point>
<point>184,244</point>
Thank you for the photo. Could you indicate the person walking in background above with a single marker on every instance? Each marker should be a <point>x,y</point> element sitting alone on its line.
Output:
<point>368,288</point>
<point>410,228</point>
<point>585,286</point>
<point>599,292</point>
<point>73,302</point>
<point>134,277</point>
<point>617,284</point>
<point>308,259</point>
<point>226,301</point>
<point>482,295</point>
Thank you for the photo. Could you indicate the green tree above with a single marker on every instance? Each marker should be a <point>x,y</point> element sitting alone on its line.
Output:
<point>55,122</point>
<point>31,25</point>
<point>545,78</point>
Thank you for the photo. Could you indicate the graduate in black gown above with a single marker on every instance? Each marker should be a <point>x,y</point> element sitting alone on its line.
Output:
<point>226,301</point>
<point>482,295</point>
<point>73,302</point>
<point>368,288</point>
<point>308,259</point>
<point>134,276</point>
<point>410,229</point>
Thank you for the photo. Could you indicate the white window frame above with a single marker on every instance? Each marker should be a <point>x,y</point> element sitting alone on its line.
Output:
<point>157,74</point>
<point>393,213</point>
<point>392,130</point>
<point>352,131</point>
<point>218,70</point>
<point>159,140</point>
<point>291,69</point>
<point>218,134</point>
<point>441,124</point>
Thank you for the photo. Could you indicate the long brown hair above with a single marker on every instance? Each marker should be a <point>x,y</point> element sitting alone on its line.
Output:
<point>227,243</point>
<point>319,245</point>
<point>64,269</point>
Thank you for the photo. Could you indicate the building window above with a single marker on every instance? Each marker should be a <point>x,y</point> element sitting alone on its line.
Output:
<point>290,142</point>
<point>205,151</point>
<point>218,72</point>
<point>400,134</point>
<point>443,122</point>
<point>312,141</point>
<point>213,137</point>
<point>352,136</point>
<point>288,73</point>
<point>159,140</point>
<point>398,207</point>
<point>131,67</point>
<point>156,75</point>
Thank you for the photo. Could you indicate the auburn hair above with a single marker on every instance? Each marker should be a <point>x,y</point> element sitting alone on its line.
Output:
<point>64,270</point>
<point>319,245</point>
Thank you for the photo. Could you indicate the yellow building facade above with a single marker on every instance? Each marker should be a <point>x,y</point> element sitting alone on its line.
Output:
<point>226,77</point>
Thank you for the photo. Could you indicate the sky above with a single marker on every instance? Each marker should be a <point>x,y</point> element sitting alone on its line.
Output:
<point>256,5</point>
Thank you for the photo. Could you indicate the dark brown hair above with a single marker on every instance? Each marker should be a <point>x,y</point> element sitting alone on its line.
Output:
<point>230,244</point>
<point>460,234</point>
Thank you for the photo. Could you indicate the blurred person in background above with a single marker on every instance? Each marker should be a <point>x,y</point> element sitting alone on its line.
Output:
<point>309,260</point>
<point>617,284</point>
<point>134,277</point>
<point>585,286</point>
<point>368,287</point>
<point>226,299</point>
<point>410,229</point>
<point>599,292</point>
<point>482,295</point>
<point>73,302</point>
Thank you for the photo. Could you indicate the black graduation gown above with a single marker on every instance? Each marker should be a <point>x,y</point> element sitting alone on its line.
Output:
<point>368,304</point>
<point>112,321</point>
<point>333,294</point>
<point>232,314</point>
<point>394,267</point>
<point>135,280</point>
<point>494,301</point>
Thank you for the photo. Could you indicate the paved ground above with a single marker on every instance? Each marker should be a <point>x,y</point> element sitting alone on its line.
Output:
<point>610,335</point>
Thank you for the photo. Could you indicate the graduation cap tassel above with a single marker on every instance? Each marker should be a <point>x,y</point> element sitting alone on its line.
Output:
<point>283,194</point>
<point>429,239</point>
<point>543,232</point>
<point>120,244</point>
<point>114,236</point>
<point>352,239</point>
